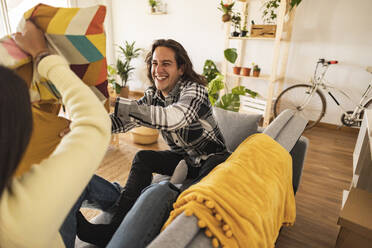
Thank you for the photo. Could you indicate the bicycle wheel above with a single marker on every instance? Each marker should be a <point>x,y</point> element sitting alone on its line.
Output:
<point>295,96</point>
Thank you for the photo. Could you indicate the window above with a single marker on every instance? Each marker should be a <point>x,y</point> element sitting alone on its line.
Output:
<point>4,24</point>
<point>12,11</point>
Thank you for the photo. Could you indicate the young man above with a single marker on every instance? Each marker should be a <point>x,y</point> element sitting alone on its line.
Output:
<point>177,104</point>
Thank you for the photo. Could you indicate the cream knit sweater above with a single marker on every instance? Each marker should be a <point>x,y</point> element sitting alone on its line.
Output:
<point>32,212</point>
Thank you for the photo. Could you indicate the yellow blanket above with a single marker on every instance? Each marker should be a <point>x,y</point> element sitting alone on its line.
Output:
<point>244,201</point>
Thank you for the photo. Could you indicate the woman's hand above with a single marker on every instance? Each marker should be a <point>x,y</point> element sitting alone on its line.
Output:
<point>31,40</point>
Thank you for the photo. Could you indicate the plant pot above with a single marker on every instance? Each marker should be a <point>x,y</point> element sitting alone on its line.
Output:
<point>235,34</point>
<point>226,17</point>
<point>124,92</point>
<point>246,71</point>
<point>256,73</point>
<point>153,10</point>
<point>243,33</point>
<point>144,135</point>
<point>236,70</point>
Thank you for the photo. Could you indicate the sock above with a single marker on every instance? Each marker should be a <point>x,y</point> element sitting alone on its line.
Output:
<point>101,234</point>
<point>97,234</point>
<point>180,173</point>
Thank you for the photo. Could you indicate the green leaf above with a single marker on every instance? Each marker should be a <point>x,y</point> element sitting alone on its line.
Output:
<point>295,3</point>
<point>111,70</point>
<point>231,55</point>
<point>251,92</point>
<point>124,70</point>
<point>238,90</point>
<point>229,102</point>
<point>128,51</point>
<point>214,88</point>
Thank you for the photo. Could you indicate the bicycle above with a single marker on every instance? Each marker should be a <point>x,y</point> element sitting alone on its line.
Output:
<point>311,103</point>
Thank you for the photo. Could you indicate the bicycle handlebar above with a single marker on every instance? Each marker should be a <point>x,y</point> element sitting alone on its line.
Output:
<point>332,62</point>
<point>328,62</point>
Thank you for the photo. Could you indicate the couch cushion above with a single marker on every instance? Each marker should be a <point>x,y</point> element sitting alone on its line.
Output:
<point>235,127</point>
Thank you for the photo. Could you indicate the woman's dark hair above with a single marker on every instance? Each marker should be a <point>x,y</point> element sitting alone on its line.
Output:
<point>15,123</point>
<point>181,57</point>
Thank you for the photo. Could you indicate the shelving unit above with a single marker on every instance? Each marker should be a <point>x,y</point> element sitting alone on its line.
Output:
<point>279,56</point>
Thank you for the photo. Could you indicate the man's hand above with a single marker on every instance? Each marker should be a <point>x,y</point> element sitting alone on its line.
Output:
<point>31,40</point>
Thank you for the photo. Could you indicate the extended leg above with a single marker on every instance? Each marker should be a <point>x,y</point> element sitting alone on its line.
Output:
<point>144,164</point>
<point>144,221</point>
<point>99,194</point>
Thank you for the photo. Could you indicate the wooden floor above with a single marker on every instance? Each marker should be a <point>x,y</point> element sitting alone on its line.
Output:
<point>327,171</point>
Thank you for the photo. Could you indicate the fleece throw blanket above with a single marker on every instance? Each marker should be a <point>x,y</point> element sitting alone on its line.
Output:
<point>244,201</point>
<point>78,35</point>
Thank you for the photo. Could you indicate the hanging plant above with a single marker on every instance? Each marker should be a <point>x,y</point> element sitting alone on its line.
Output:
<point>226,9</point>
<point>153,4</point>
<point>270,8</point>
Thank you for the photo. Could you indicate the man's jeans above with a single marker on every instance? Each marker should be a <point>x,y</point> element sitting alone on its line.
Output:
<point>99,194</point>
<point>144,221</point>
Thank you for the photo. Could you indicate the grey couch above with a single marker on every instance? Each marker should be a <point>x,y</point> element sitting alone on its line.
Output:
<point>286,129</point>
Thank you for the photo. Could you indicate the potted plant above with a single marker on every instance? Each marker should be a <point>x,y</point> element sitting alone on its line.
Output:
<point>229,101</point>
<point>244,30</point>
<point>226,9</point>
<point>256,70</point>
<point>236,19</point>
<point>231,55</point>
<point>153,4</point>
<point>124,68</point>
<point>246,71</point>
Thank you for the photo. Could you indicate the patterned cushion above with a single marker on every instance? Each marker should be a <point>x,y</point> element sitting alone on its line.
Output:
<point>75,33</point>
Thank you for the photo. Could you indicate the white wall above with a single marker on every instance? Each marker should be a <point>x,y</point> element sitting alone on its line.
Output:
<point>333,29</point>
<point>195,24</point>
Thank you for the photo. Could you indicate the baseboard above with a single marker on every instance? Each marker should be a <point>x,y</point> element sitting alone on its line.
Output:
<point>337,127</point>
<point>325,125</point>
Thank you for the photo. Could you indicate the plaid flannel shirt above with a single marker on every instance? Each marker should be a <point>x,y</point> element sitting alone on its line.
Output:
<point>184,117</point>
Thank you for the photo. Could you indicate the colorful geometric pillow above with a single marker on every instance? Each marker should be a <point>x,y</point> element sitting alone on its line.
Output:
<point>75,33</point>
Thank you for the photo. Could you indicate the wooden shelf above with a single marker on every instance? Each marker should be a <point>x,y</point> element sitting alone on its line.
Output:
<point>275,79</point>
<point>252,38</point>
<point>261,77</point>
<point>157,13</point>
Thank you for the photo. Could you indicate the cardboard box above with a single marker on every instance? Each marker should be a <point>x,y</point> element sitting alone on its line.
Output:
<point>267,31</point>
<point>356,220</point>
